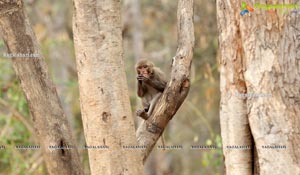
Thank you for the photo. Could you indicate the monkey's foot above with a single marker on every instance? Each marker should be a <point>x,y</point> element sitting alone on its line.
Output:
<point>142,113</point>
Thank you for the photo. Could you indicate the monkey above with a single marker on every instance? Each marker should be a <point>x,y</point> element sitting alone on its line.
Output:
<point>151,83</point>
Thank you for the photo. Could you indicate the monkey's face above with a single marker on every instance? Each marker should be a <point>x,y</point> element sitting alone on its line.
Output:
<point>144,70</point>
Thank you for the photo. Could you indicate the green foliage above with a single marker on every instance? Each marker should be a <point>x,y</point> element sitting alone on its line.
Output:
<point>197,117</point>
<point>13,132</point>
<point>213,158</point>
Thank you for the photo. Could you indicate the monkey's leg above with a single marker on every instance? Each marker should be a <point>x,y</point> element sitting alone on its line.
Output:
<point>153,103</point>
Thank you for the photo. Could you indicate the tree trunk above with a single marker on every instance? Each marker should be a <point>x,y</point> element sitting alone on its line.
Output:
<point>105,105</point>
<point>48,117</point>
<point>177,89</point>
<point>260,75</point>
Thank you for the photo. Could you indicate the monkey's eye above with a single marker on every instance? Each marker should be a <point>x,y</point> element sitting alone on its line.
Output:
<point>145,66</point>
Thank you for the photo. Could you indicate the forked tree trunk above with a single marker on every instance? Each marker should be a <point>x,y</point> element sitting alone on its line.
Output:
<point>105,105</point>
<point>49,120</point>
<point>178,87</point>
<point>260,89</point>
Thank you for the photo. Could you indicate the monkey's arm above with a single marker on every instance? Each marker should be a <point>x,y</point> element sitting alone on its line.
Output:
<point>141,90</point>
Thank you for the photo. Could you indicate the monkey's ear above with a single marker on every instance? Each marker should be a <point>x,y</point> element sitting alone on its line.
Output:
<point>151,65</point>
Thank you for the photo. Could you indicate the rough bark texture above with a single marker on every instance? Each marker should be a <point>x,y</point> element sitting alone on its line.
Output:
<point>48,117</point>
<point>177,89</point>
<point>105,105</point>
<point>235,128</point>
<point>260,57</point>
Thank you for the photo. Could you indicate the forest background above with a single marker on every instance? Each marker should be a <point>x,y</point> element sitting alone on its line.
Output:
<point>149,31</point>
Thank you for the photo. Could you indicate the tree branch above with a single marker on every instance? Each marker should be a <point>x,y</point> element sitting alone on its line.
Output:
<point>178,87</point>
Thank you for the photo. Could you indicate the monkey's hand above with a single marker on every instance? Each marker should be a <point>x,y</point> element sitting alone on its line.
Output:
<point>142,113</point>
<point>142,78</point>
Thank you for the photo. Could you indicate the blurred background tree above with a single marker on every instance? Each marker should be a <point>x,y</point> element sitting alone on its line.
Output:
<point>196,122</point>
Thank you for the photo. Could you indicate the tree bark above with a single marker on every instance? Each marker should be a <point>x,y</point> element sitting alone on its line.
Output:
<point>260,90</point>
<point>48,117</point>
<point>177,89</point>
<point>235,130</point>
<point>105,105</point>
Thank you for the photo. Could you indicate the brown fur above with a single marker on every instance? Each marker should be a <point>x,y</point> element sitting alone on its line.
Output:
<point>151,84</point>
